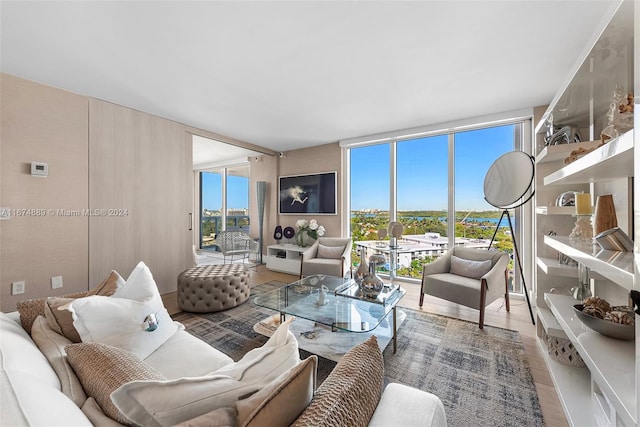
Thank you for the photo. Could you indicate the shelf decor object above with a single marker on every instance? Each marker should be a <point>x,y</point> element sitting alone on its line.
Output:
<point>582,232</point>
<point>605,214</point>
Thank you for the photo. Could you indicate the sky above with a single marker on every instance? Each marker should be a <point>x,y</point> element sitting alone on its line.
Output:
<point>421,171</point>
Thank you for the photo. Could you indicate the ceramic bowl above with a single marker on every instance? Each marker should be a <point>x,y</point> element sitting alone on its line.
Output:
<point>605,327</point>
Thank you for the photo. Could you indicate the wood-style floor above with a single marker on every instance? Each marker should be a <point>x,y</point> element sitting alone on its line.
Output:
<point>495,315</point>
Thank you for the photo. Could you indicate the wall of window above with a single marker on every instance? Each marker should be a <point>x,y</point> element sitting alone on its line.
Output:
<point>433,186</point>
<point>224,201</point>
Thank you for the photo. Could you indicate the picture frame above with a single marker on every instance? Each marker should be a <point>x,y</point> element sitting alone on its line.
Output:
<point>314,194</point>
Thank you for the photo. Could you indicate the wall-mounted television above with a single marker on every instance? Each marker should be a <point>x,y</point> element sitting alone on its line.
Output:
<point>308,194</point>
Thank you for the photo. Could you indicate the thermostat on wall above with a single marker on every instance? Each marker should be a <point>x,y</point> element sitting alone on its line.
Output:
<point>39,169</point>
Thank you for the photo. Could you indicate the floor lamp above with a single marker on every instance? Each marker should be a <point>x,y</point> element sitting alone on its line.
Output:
<point>508,184</point>
<point>261,190</point>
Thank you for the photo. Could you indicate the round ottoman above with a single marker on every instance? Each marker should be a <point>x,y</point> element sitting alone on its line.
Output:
<point>209,288</point>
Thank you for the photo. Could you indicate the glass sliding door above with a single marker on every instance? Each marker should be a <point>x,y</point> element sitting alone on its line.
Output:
<point>211,208</point>
<point>224,201</point>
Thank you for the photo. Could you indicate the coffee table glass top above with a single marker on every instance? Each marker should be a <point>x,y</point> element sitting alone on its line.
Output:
<point>302,299</point>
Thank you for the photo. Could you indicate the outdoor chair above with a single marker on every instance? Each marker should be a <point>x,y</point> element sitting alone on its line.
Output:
<point>234,244</point>
<point>468,276</point>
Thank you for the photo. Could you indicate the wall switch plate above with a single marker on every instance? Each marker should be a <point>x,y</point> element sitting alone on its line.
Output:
<point>5,214</point>
<point>17,288</point>
<point>56,282</point>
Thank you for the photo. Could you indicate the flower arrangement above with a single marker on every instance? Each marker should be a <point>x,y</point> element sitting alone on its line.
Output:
<point>312,228</point>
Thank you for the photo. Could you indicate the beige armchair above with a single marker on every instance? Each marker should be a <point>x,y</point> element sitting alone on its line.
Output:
<point>327,255</point>
<point>464,276</point>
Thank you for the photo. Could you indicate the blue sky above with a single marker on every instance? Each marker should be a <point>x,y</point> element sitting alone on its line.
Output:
<point>422,173</point>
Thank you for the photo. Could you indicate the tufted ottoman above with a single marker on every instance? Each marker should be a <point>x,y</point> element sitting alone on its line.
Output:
<point>210,288</point>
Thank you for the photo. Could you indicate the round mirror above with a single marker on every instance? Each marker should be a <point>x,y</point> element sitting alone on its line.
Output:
<point>509,180</point>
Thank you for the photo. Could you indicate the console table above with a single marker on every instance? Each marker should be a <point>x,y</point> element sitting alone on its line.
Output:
<point>284,258</point>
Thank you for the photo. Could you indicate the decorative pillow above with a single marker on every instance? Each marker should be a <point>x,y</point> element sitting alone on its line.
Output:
<point>52,346</point>
<point>221,417</point>
<point>469,268</point>
<point>172,402</point>
<point>331,252</point>
<point>103,368</point>
<point>350,394</point>
<point>32,308</point>
<point>282,401</point>
<point>61,321</point>
<point>122,319</point>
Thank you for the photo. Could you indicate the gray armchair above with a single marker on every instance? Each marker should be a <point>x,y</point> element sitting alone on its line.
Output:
<point>236,244</point>
<point>327,255</point>
<point>478,286</point>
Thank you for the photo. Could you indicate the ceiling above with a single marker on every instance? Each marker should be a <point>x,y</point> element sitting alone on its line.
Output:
<point>293,74</point>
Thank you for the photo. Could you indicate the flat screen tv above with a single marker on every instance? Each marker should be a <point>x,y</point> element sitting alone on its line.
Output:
<point>308,194</point>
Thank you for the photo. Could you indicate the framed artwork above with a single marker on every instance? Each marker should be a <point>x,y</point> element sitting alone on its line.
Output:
<point>308,194</point>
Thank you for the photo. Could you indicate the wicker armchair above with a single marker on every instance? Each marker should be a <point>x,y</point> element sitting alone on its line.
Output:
<point>236,244</point>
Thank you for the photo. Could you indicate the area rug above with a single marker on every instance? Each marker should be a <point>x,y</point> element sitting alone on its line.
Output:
<point>481,376</point>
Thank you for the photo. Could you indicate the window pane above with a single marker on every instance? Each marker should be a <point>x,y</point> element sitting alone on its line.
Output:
<point>476,220</point>
<point>238,198</point>
<point>422,199</point>
<point>211,202</point>
<point>370,193</point>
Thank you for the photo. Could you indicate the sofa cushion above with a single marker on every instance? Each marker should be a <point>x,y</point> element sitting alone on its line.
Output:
<point>331,252</point>
<point>29,388</point>
<point>119,320</point>
<point>154,403</point>
<point>61,321</point>
<point>350,394</point>
<point>469,268</point>
<point>221,417</point>
<point>283,400</point>
<point>94,412</point>
<point>103,368</point>
<point>197,358</point>
<point>406,406</point>
<point>52,346</point>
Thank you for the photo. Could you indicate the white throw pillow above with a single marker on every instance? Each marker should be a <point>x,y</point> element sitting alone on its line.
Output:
<point>119,320</point>
<point>166,403</point>
<point>330,252</point>
<point>469,268</point>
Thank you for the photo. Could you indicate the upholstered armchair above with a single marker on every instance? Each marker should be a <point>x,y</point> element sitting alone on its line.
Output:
<point>327,255</point>
<point>468,276</point>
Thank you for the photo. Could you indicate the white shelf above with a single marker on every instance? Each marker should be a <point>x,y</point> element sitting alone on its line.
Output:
<point>289,262</point>
<point>612,160</point>
<point>555,210</point>
<point>557,153</point>
<point>615,266</point>
<point>550,324</point>
<point>611,362</point>
<point>552,267</point>
<point>573,386</point>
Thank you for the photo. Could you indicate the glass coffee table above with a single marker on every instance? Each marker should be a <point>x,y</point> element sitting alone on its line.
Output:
<point>344,307</point>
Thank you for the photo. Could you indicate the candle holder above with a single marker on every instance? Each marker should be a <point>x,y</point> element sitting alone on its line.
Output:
<point>582,232</point>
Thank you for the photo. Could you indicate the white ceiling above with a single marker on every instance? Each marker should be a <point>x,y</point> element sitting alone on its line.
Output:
<point>210,154</point>
<point>292,74</point>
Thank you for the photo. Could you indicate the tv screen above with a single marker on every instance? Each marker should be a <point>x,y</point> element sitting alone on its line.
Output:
<point>308,194</point>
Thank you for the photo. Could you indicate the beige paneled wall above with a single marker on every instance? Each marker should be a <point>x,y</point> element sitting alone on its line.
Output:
<point>140,169</point>
<point>44,124</point>
<point>323,158</point>
<point>264,168</point>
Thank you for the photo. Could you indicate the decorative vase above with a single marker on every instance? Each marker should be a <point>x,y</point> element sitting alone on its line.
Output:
<point>371,284</point>
<point>300,238</point>
<point>362,271</point>
<point>605,214</point>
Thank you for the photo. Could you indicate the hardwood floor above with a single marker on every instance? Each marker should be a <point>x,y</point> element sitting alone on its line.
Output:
<point>495,315</point>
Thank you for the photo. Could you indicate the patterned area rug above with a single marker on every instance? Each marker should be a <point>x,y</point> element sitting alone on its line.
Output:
<point>481,376</point>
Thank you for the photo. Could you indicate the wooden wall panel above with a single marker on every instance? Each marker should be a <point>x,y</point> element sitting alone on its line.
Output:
<point>44,124</point>
<point>141,165</point>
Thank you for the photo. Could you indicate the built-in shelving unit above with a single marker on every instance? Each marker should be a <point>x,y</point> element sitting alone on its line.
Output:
<point>605,392</point>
